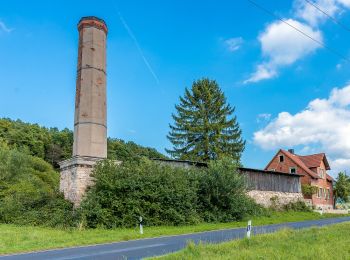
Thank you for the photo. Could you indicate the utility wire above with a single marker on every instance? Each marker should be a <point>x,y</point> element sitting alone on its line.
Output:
<point>328,15</point>
<point>300,31</point>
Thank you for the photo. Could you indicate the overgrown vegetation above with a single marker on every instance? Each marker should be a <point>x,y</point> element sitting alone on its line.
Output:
<point>29,192</point>
<point>308,190</point>
<point>165,195</point>
<point>299,206</point>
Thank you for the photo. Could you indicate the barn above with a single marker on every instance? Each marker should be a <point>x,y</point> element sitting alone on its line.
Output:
<point>264,186</point>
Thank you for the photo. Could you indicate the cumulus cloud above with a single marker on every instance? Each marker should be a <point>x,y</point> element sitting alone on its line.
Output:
<point>233,44</point>
<point>282,45</point>
<point>4,28</point>
<point>324,123</point>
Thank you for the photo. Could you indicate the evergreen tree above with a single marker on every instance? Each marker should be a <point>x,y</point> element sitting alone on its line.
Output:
<point>342,188</point>
<point>205,127</point>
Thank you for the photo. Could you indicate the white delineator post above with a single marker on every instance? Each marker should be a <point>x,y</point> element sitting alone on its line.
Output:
<point>141,227</point>
<point>249,229</point>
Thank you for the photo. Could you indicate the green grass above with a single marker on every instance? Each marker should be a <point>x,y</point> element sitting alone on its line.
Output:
<point>331,242</point>
<point>15,239</point>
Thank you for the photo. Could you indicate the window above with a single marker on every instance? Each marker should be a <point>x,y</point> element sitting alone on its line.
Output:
<point>322,173</point>
<point>272,169</point>
<point>281,158</point>
<point>292,170</point>
<point>318,192</point>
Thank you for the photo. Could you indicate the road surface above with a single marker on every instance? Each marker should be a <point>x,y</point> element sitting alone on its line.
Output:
<point>137,249</point>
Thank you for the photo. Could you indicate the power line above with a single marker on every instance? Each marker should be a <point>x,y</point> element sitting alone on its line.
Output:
<point>300,31</point>
<point>328,15</point>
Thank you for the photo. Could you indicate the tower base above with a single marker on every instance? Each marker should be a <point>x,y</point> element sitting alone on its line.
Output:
<point>76,177</point>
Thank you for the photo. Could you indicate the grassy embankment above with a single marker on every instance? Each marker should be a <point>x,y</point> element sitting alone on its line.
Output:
<point>331,242</point>
<point>21,239</point>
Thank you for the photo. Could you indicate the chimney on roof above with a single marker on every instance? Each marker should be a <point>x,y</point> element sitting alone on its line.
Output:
<point>291,151</point>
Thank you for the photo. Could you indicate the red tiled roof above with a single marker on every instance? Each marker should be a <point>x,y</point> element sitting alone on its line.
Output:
<point>314,160</point>
<point>329,178</point>
<point>295,158</point>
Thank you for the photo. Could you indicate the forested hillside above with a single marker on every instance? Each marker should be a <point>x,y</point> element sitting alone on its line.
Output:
<point>54,145</point>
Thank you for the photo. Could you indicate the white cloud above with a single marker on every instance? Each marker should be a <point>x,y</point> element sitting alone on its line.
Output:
<point>324,124</point>
<point>263,117</point>
<point>263,71</point>
<point>4,28</point>
<point>311,12</point>
<point>282,45</point>
<point>233,44</point>
<point>345,3</point>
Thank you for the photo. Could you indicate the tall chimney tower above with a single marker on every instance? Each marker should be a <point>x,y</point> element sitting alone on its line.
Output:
<point>90,124</point>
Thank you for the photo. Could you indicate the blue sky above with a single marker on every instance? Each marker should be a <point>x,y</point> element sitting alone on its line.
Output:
<point>289,92</point>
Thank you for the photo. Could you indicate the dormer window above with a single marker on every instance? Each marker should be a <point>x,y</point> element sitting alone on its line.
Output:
<point>293,170</point>
<point>281,158</point>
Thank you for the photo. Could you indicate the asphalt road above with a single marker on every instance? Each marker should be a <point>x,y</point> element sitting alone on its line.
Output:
<point>137,249</point>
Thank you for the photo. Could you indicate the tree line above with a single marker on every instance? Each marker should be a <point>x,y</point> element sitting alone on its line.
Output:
<point>54,145</point>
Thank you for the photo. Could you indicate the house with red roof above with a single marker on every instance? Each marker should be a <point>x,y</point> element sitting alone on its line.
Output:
<point>313,169</point>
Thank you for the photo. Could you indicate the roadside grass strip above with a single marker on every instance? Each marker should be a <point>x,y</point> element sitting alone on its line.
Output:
<point>329,242</point>
<point>16,239</point>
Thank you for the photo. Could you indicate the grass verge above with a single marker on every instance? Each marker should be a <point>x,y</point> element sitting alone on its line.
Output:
<point>331,242</point>
<point>14,239</point>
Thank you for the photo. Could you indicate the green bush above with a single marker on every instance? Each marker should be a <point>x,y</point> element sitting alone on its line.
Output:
<point>164,195</point>
<point>221,193</point>
<point>29,192</point>
<point>297,206</point>
<point>160,194</point>
<point>308,190</point>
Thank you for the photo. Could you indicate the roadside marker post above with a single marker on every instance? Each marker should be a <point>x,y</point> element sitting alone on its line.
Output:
<point>141,227</point>
<point>249,229</point>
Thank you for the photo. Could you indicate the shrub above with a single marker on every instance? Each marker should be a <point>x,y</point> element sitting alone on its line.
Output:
<point>297,206</point>
<point>164,195</point>
<point>308,190</point>
<point>221,193</point>
<point>29,192</point>
<point>158,193</point>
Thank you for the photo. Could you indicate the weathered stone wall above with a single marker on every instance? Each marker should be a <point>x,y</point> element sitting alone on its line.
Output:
<point>76,177</point>
<point>269,198</point>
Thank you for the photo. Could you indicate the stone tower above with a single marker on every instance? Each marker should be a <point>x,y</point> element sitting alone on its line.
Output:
<point>90,124</point>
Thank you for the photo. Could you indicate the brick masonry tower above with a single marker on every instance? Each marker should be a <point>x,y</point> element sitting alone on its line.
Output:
<point>90,124</point>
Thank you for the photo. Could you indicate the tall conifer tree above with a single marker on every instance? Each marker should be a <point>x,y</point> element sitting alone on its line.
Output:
<point>205,127</point>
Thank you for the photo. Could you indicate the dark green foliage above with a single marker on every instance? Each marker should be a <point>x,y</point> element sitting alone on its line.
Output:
<point>342,188</point>
<point>49,144</point>
<point>221,193</point>
<point>55,145</point>
<point>297,206</point>
<point>128,151</point>
<point>308,190</point>
<point>205,127</point>
<point>29,191</point>
<point>160,194</point>
<point>165,195</point>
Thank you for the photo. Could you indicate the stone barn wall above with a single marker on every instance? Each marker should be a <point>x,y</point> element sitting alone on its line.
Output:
<point>270,188</point>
